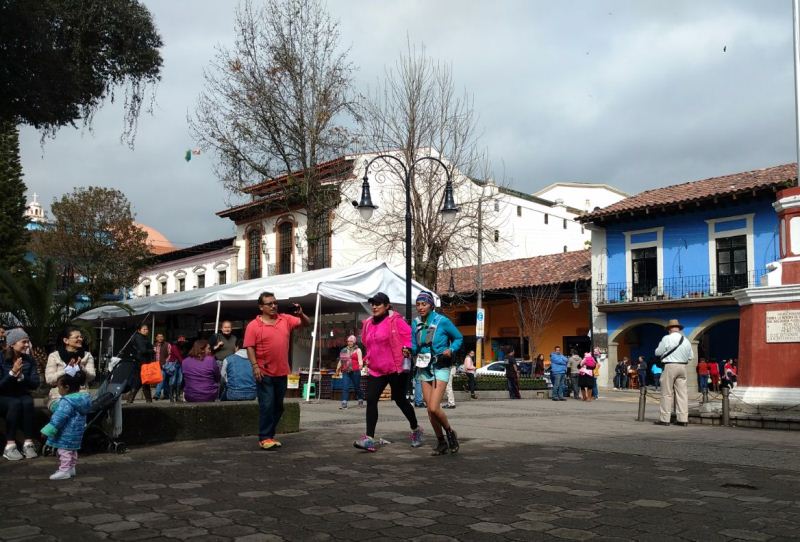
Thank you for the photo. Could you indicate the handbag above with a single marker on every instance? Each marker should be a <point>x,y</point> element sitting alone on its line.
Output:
<point>150,372</point>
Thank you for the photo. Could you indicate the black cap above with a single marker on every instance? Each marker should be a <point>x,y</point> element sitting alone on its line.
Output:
<point>379,299</point>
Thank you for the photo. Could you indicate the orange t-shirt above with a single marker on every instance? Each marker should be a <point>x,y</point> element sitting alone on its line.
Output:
<point>271,343</point>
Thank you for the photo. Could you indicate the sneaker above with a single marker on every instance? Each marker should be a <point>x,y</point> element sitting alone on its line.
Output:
<point>448,406</point>
<point>277,443</point>
<point>441,448</point>
<point>416,437</point>
<point>268,444</point>
<point>29,451</point>
<point>12,454</point>
<point>60,475</point>
<point>365,443</point>
<point>452,441</point>
<point>419,405</point>
<point>360,403</point>
<point>343,406</point>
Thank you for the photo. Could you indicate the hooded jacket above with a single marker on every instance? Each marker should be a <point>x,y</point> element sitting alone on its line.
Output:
<point>66,427</point>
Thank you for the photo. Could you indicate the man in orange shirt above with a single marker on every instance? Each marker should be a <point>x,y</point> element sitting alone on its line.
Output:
<point>267,340</point>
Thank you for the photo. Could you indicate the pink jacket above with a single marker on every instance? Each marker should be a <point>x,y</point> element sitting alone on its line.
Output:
<point>384,343</point>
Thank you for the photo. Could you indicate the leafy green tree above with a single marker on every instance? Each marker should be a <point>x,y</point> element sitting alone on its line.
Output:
<point>93,237</point>
<point>13,232</point>
<point>61,59</point>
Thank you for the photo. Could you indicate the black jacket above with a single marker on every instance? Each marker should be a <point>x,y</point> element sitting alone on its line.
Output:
<point>142,349</point>
<point>10,386</point>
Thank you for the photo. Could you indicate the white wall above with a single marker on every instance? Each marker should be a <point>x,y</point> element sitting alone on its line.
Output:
<point>208,264</point>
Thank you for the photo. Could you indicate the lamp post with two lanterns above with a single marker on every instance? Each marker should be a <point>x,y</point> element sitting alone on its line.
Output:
<point>366,207</point>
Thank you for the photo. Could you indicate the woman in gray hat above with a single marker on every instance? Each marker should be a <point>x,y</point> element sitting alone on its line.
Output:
<point>18,376</point>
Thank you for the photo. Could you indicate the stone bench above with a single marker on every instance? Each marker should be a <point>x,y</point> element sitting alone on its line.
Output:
<point>164,422</point>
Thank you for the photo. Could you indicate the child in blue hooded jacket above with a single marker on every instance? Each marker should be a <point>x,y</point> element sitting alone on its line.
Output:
<point>68,422</point>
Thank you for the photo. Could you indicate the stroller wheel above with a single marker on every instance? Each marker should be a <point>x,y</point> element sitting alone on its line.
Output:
<point>48,451</point>
<point>117,447</point>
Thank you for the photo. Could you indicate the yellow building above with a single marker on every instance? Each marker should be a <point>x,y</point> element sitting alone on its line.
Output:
<point>531,304</point>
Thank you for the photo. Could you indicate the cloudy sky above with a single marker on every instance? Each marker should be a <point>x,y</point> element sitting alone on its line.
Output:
<point>636,94</point>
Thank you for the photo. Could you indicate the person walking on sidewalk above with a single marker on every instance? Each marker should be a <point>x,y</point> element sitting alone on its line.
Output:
<point>558,372</point>
<point>267,339</point>
<point>143,352</point>
<point>675,352</point>
<point>512,374</point>
<point>469,370</point>
<point>434,343</point>
<point>387,339</point>
<point>349,366</point>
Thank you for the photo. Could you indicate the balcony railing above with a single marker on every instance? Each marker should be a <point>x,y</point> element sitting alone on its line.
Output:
<point>684,287</point>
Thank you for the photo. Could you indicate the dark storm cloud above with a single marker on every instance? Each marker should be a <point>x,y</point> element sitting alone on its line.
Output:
<point>636,94</point>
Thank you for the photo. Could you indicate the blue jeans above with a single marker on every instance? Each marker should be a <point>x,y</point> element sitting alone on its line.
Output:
<point>558,385</point>
<point>270,393</point>
<point>170,382</point>
<point>354,378</point>
<point>595,391</point>
<point>418,400</point>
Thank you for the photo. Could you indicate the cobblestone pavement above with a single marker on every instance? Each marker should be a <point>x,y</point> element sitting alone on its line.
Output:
<point>597,484</point>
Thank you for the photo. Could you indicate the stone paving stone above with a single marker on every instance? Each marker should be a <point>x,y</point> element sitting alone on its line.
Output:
<point>10,533</point>
<point>414,522</point>
<point>742,534</point>
<point>649,503</point>
<point>184,533</point>
<point>97,519</point>
<point>571,534</point>
<point>117,526</point>
<point>358,508</point>
<point>489,527</point>
<point>259,537</point>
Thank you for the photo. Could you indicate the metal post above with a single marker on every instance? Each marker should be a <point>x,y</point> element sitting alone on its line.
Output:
<point>726,407</point>
<point>408,172</point>
<point>479,342</point>
<point>642,403</point>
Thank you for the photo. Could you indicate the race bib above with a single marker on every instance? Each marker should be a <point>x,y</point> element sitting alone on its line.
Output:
<point>423,360</point>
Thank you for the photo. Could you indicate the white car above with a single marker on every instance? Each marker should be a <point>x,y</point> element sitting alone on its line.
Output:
<point>496,368</point>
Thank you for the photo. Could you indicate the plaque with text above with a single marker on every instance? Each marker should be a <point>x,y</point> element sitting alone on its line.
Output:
<point>783,326</point>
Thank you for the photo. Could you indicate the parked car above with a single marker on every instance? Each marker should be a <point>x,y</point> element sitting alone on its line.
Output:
<point>496,368</point>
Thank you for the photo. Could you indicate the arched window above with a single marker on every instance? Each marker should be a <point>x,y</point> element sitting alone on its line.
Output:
<point>254,254</point>
<point>285,247</point>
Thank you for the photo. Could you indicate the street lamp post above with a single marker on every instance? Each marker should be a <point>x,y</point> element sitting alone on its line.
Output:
<point>366,207</point>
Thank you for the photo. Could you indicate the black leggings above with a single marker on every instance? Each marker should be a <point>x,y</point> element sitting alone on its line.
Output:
<point>18,412</point>
<point>375,387</point>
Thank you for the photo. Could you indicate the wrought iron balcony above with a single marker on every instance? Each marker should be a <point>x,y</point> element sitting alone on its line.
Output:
<point>688,288</point>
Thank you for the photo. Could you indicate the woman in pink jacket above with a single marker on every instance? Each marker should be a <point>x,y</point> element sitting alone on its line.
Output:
<point>387,340</point>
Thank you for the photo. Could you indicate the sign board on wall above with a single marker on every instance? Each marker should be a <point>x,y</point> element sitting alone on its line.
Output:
<point>783,326</point>
<point>480,319</point>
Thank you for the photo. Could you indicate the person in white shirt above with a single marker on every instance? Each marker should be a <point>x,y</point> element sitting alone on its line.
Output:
<point>675,352</point>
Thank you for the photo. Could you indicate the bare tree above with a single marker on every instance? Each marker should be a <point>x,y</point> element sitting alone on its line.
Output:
<point>535,307</point>
<point>416,112</point>
<point>276,103</point>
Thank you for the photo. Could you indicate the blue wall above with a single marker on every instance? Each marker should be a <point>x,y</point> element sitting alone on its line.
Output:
<point>686,239</point>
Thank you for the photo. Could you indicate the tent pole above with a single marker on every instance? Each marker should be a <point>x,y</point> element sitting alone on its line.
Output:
<point>216,325</point>
<point>313,348</point>
<point>153,329</point>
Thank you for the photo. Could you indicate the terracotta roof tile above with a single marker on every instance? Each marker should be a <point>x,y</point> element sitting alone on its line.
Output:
<point>698,191</point>
<point>561,268</point>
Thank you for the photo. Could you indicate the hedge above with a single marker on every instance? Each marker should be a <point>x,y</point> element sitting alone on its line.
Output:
<point>489,383</point>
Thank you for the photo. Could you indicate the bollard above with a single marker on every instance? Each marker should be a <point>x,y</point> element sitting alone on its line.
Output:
<point>705,396</point>
<point>726,407</point>
<point>642,403</point>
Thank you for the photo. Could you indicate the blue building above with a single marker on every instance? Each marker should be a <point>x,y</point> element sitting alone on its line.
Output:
<point>680,252</point>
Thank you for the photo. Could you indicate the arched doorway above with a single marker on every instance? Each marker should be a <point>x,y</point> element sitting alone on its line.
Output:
<point>718,338</point>
<point>638,337</point>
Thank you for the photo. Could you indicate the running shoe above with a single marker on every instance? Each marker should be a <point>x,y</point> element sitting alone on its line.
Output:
<point>342,406</point>
<point>365,443</point>
<point>416,437</point>
<point>12,454</point>
<point>269,444</point>
<point>441,448</point>
<point>29,451</point>
<point>452,441</point>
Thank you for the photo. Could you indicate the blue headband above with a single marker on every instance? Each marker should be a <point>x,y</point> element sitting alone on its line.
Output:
<point>426,297</point>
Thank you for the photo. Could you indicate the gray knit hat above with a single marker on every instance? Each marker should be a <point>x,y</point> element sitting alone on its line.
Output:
<point>15,335</point>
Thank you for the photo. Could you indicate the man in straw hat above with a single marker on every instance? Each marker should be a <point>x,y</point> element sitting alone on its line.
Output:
<point>675,352</point>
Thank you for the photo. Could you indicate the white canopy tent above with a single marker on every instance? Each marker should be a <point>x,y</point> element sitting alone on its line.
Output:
<point>344,287</point>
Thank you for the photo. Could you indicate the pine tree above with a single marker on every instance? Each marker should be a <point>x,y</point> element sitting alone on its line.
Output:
<point>13,231</point>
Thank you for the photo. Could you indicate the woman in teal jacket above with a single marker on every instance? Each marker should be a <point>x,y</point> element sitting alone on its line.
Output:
<point>434,341</point>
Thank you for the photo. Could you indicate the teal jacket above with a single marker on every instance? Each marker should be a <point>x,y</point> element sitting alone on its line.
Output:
<point>440,335</point>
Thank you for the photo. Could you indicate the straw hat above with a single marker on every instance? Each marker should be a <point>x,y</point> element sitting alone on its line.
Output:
<point>674,323</point>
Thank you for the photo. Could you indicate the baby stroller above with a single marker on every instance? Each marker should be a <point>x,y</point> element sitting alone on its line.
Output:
<point>104,420</point>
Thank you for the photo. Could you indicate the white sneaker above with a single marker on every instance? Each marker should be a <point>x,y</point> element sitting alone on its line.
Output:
<point>29,451</point>
<point>60,475</point>
<point>12,454</point>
